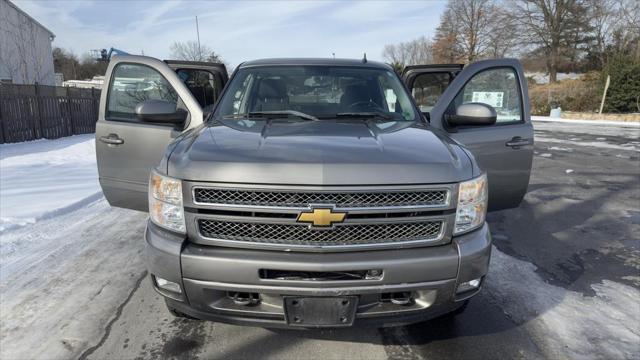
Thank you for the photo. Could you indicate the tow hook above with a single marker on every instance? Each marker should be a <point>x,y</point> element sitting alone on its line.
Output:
<point>244,299</point>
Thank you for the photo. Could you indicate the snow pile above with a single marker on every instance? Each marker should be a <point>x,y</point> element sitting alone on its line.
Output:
<point>628,124</point>
<point>543,78</point>
<point>568,323</point>
<point>68,259</point>
<point>66,279</point>
<point>40,179</point>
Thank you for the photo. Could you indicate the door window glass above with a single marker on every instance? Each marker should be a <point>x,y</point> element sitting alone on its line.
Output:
<point>202,85</point>
<point>497,88</point>
<point>428,87</point>
<point>132,84</point>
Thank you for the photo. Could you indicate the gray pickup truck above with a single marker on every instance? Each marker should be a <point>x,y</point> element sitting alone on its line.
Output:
<point>314,192</point>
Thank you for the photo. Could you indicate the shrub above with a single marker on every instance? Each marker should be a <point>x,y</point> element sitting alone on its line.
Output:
<point>581,94</point>
<point>624,90</point>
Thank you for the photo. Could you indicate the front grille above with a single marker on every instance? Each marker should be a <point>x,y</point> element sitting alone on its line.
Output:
<point>345,234</point>
<point>303,199</point>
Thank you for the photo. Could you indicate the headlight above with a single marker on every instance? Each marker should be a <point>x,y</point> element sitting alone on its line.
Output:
<point>165,202</point>
<point>472,205</point>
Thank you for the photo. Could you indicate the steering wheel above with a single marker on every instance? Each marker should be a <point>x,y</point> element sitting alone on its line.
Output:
<point>366,104</point>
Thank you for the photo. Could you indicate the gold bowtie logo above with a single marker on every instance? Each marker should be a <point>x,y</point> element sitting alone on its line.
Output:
<point>321,217</point>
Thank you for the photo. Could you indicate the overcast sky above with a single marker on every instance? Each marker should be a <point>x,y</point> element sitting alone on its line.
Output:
<point>239,30</point>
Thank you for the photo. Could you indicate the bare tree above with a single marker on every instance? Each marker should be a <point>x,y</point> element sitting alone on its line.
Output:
<point>603,19</point>
<point>392,54</point>
<point>66,63</point>
<point>473,29</point>
<point>502,39</point>
<point>417,51</point>
<point>625,36</point>
<point>552,25</point>
<point>191,51</point>
<point>474,19</point>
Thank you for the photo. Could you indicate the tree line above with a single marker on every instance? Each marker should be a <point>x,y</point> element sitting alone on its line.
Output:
<point>86,67</point>
<point>73,68</point>
<point>554,35</point>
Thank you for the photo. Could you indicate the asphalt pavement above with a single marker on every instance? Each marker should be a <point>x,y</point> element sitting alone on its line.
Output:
<point>577,226</point>
<point>564,280</point>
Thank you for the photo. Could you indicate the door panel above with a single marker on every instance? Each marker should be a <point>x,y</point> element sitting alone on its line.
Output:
<point>507,168</point>
<point>504,150</point>
<point>127,148</point>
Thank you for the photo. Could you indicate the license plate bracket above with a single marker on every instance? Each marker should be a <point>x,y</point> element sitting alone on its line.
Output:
<point>320,311</point>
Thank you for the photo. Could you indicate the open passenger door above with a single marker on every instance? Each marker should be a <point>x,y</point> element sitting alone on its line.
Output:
<point>144,105</point>
<point>503,149</point>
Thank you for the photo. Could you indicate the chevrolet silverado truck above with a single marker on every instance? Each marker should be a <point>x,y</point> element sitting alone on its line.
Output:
<point>314,192</point>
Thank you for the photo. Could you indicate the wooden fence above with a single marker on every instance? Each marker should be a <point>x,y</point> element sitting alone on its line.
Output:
<point>30,112</point>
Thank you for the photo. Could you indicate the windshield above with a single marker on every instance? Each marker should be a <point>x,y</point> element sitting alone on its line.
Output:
<point>316,93</point>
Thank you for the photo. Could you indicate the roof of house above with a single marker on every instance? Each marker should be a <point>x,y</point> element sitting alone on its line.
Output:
<point>28,16</point>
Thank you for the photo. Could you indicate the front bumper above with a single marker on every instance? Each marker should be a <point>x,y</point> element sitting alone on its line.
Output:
<point>208,275</point>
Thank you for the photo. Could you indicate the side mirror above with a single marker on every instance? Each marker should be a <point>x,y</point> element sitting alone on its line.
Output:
<point>473,114</point>
<point>160,111</point>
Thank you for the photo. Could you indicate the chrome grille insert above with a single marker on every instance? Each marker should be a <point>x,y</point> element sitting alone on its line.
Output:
<point>301,235</point>
<point>300,199</point>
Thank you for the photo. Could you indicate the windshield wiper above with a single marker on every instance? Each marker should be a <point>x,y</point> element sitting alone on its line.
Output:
<point>365,115</point>
<point>272,114</point>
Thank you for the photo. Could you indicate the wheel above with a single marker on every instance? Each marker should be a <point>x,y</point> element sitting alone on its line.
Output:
<point>178,313</point>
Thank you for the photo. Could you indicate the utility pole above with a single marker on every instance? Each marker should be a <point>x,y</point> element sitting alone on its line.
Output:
<point>198,33</point>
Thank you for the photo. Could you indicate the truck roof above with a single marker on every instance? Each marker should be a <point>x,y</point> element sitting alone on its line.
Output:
<point>314,61</point>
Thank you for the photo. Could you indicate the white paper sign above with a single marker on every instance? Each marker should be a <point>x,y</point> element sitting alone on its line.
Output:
<point>493,98</point>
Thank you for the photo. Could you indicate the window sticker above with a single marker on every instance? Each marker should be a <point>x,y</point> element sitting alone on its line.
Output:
<point>492,98</point>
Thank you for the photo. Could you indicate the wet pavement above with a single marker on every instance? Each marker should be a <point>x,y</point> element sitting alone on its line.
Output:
<point>578,226</point>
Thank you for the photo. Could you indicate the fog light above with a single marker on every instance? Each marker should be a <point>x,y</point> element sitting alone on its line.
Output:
<point>469,285</point>
<point>168,285</point>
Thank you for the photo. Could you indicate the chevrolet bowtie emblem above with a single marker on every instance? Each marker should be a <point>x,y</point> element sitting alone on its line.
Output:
<point>322,217</point>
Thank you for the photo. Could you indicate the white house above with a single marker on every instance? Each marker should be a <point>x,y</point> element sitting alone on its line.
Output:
<point>25,48</point>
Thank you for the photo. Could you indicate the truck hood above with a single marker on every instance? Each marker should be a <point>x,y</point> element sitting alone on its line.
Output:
<point>352,152</point>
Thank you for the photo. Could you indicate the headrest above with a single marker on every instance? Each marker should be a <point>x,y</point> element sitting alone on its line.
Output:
<point>272,89</point>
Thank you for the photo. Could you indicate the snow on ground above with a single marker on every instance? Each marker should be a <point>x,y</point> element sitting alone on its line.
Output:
<point>39,179</point>
<point>631,124</point>
<point>543,78</point>
<point>60,288</point>
<point>622,136</point>
<point>629,146</point>
<point>67,259</point>
<point>557,148</point>
<point>567,323</point>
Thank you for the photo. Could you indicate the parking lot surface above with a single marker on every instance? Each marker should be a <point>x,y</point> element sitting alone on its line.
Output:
<point>564,279</point>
